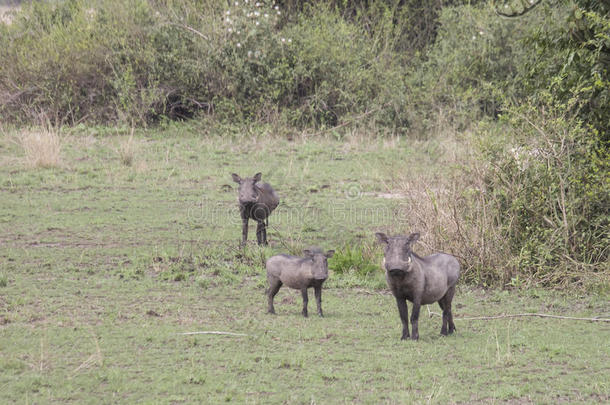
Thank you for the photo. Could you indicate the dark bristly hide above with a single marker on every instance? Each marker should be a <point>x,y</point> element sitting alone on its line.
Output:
<point>421,280</point>
<point>257,200</point>
<point>299,273</point>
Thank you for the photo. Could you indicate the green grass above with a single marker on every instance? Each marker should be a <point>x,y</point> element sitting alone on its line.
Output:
<point>103,265</point>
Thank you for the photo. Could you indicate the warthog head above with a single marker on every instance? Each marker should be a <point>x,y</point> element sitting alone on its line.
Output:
<point>319,269</point>
<point>397,259</point>
<point>248,191</point>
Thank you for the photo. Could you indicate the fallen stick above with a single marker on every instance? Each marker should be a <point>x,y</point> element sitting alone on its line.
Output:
<point>213,332</point>
<point>526,314</point>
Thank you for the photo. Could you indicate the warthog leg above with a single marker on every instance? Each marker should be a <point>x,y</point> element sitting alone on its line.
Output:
<point>244,227</point>
<point>447,310</point>
<point>274,287</point>
<point>318,291</point>
<point>261,233</point>
<point>445,304</point>
<point>442,304</point>
<point>414,320</point>
<point>404,316</point>
<point>305,301</point>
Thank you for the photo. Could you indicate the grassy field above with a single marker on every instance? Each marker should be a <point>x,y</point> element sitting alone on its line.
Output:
<point>126,242</point>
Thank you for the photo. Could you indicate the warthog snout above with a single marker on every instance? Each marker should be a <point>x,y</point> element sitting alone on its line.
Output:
<point>396,272</point>
<point>398,265</point>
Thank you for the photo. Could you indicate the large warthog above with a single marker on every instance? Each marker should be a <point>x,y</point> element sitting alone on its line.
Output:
<point>299,273</point>
<point>257,201</point>
<point>421,280</point>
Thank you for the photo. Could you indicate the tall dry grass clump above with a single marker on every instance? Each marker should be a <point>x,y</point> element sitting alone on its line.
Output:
<point>42,148</point>
<point>451,213</point>
<point>127,150</point>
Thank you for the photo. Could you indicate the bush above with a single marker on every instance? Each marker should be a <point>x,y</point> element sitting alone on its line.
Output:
<point>470,69</point>
<point>569,60</point>
<point>68,61</point>
<point>110,61</point>
<point>548,183</point>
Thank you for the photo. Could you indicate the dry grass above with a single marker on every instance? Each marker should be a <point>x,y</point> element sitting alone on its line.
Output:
<point>127,150</point>
<point>42,148</point>
<point>450,213</point>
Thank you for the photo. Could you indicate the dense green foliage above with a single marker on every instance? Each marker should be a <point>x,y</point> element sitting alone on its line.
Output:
<point>72,62</point>
<point>400,63</point>
<point>545,183</point>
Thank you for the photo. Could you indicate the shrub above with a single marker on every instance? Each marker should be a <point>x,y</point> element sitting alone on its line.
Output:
<point>110,61</point>
<point>127,151</point>
<point>569,59</point>
<point>68,61</point>
<point>470,69</point>
<point>450,211</point>
<point>548,183</point>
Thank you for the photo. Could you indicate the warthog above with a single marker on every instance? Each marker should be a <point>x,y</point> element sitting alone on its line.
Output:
<point>299,273</point>
<point>256,200</point>
<point>421,280</point>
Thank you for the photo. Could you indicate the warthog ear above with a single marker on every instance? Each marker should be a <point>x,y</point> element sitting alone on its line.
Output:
<point>236,178</point>
<point>413,238</point>
<point>330,254</point>
<point>257,177</point>
<point>308,253</point>
<point>382,237</point>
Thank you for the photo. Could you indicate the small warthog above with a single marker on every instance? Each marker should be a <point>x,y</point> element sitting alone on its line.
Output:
<point>299,273</point>
<point>256,200</point>
<point>421,280</point>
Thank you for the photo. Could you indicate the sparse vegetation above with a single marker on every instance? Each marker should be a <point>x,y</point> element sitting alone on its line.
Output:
<point>105,253</point>
<point>127,151</point>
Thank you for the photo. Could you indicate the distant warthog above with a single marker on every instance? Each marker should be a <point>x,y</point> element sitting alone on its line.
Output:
<point>256,200</point>
<point>298,273</point>
<point>421,280</point>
